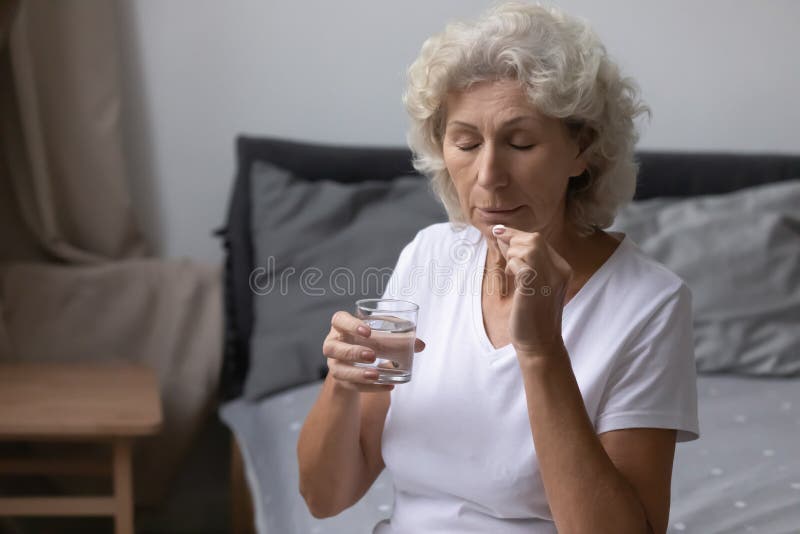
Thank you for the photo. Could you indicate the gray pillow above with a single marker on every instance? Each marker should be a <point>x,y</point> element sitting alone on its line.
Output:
<point>740,255</point>
<point>318,246</point>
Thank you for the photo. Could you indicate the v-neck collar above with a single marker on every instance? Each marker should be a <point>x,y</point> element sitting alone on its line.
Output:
<point>597,278</point>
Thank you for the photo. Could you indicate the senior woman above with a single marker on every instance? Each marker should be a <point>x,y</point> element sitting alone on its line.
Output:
<point>558,369</point>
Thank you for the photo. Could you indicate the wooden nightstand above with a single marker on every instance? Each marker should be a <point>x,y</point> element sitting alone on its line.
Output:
<point>91,402</point>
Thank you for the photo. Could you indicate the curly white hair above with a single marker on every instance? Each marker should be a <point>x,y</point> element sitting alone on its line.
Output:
<point>566,73</point>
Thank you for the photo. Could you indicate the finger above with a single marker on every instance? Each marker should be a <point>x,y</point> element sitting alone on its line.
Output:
<point>419,345</point>
<point>532,258</point>
<point>505,233</point>
<point>333,348</point>
<point>527,240</point>
<point>524,274</point>
<point>522,252</point>
<point>516,265</point>
<point>347,372</point>
<point>346,323</point>
<point>499,231</point>
<point>365,388</point>
<point>512,242</point>
<point>514,237</point>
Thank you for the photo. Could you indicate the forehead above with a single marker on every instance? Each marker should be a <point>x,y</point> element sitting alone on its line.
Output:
<point>502,99</point>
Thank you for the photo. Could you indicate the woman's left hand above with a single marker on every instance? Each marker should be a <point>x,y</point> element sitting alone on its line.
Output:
<point>541,277</point>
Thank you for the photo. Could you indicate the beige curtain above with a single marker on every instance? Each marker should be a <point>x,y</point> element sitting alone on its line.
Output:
<point>62,141</point>
<point>16,241</point>
<point>75,282</point>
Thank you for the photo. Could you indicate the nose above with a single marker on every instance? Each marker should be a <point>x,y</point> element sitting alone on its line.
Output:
<point>492,172</point>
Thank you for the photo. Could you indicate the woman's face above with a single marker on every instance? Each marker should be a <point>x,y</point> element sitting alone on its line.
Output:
<point>510,164</point>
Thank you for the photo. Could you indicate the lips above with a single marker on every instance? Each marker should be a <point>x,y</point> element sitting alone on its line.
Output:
<point>498,210</point>
<point>495,215</point>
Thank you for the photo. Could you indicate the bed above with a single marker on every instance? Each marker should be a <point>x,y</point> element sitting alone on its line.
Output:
<point>729,224</point>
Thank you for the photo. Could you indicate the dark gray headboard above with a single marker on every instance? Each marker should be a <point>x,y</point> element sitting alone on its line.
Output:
<point>677,174</point>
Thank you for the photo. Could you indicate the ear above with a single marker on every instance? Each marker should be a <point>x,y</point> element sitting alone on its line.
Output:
<point>583,140</point>
<point>578,166</point>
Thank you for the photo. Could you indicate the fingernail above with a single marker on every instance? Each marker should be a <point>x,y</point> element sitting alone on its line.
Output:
<point>368,356</point>
<point>363,330</point>
<point>498,229</point>
<point>371,375</point>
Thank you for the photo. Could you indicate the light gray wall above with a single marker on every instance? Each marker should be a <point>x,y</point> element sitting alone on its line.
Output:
<point>719,75</point>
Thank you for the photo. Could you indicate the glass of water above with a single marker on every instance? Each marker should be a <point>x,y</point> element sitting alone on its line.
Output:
<point>394,330</point>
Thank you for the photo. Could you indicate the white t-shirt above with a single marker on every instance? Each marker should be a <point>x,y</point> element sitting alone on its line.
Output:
<point>457,439</point>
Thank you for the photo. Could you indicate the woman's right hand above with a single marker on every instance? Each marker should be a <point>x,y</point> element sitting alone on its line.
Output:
<point>348,342</point>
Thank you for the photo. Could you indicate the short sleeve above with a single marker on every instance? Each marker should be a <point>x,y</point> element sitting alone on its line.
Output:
<point>399,285</point>
<point>654,381</point>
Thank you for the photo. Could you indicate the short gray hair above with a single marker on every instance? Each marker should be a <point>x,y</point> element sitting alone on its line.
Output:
<point>566,73</point>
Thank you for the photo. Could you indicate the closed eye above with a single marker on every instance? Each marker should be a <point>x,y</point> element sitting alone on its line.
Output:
<point>473,147</point>
<point>468,148</point>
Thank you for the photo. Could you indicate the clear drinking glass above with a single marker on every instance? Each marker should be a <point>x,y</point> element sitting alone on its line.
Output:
<point>394,330</point>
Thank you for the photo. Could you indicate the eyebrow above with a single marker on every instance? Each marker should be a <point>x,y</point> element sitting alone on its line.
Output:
<point>504,125</point>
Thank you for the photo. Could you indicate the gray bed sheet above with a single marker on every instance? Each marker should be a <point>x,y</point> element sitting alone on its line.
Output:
<point>741,476</point>
<point>267,432</point>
